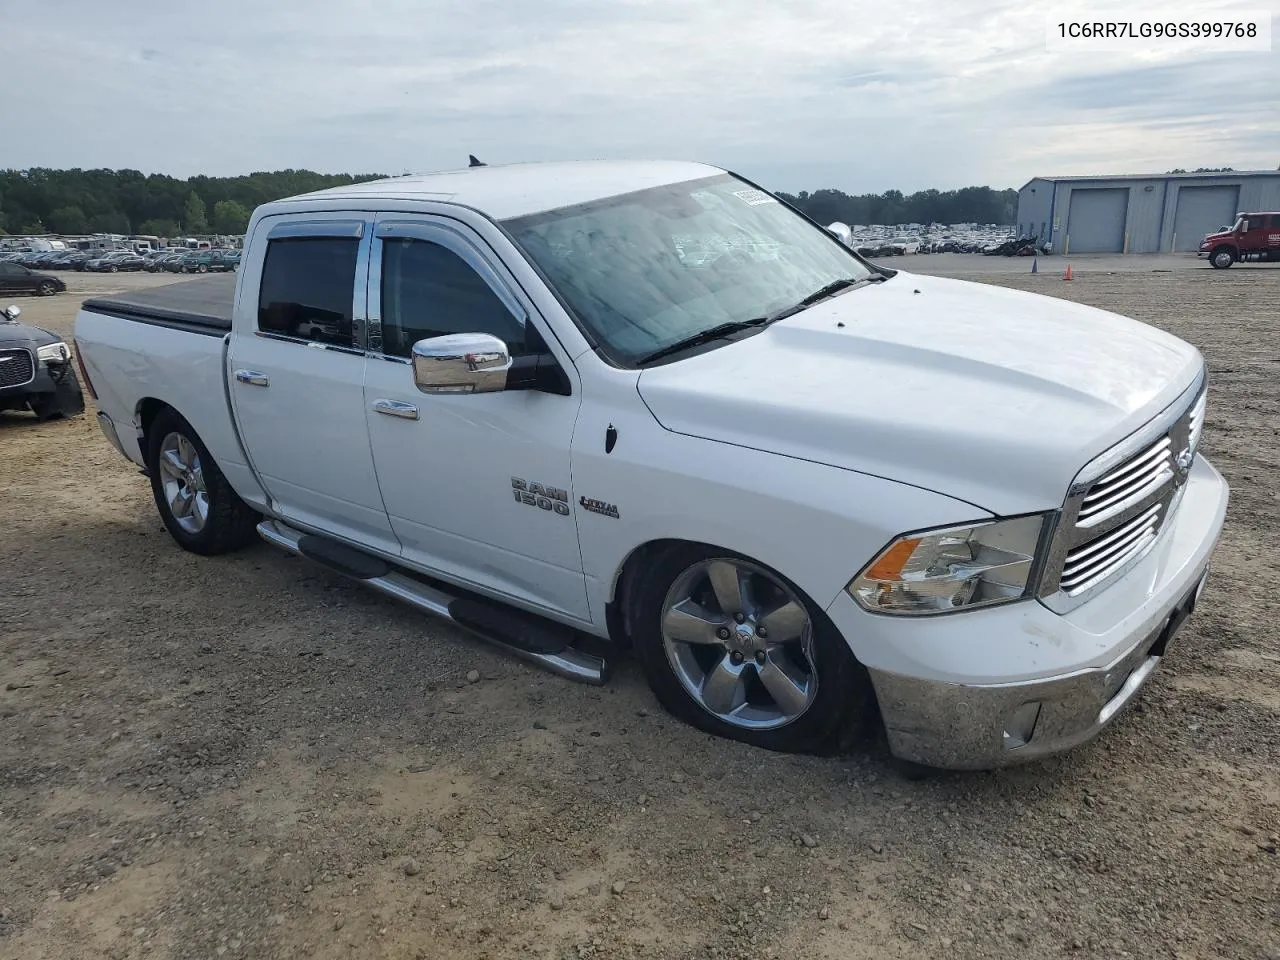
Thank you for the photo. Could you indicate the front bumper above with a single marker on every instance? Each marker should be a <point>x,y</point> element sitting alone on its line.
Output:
<point>989,688</point>
<point>42,383</point>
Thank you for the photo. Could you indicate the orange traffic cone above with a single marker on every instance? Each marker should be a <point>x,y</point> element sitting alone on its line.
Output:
<point>1067,275</point>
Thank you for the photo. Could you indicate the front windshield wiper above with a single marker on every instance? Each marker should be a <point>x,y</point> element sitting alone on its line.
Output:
<point>734,326</point>
<point>832,288</point>
<point>704,336</point>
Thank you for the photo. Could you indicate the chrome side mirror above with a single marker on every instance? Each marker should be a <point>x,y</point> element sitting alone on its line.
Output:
<point>461,363</point>
<point>841,232</point>
<point>13,312</point>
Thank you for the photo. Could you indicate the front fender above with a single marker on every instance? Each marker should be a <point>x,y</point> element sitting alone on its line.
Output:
<point>815,524</point>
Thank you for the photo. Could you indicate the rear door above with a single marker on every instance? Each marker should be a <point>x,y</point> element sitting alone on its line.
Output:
<point>297,375</point>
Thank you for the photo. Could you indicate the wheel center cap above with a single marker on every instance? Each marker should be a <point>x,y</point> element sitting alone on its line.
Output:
<point>745,636</point>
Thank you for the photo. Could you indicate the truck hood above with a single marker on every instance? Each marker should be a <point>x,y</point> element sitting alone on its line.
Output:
<point>1215,238</point>
<point>981,393</point>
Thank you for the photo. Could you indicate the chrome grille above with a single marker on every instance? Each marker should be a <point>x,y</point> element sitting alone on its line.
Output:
<point>1116,491</point>
<point>1195,421</point>
<point>17,368</point>
<point>1094,561</point>
<point>1119,504</point>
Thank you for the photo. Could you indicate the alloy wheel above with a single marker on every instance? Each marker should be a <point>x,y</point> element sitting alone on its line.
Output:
<point>740,643</point>
<point>182,478</point>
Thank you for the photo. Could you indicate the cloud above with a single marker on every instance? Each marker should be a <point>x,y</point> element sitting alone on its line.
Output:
<point>796,94</point>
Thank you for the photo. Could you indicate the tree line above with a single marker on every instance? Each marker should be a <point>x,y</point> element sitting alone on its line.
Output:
<point>966,205</point>
<point>78,201</point>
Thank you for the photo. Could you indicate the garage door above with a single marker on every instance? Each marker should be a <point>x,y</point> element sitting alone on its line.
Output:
<point>1202,210</point>
<point>1095,222</point>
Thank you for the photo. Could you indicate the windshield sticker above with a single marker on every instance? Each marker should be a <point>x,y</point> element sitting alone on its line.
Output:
<point>754,197</point>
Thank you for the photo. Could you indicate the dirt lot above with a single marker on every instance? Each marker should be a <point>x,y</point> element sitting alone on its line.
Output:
<point>247,757</point>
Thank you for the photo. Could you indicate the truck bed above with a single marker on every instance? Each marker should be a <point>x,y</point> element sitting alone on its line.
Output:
<point>202,305</point>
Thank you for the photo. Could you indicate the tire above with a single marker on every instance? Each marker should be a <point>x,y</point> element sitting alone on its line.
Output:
<point>202,268</point>
<point>228,523</point>
<point>113,269</point>
<point>66,401</point>
<point>47,288</point>
<point>827,701</point>
<point>1222,258</point>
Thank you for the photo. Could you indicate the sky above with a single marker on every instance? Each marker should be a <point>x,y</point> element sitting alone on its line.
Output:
<point>795,94</point>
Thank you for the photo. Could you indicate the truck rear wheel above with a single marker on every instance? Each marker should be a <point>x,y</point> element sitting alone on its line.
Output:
<point>197,505</point>
<point>1222,258</point>
<point>733,648</point>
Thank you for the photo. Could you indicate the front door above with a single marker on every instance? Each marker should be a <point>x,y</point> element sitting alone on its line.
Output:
<point>297,377</point>
<point>458,471</point>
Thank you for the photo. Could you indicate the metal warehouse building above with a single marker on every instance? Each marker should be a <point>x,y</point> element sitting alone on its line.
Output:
<point>1134,214</point>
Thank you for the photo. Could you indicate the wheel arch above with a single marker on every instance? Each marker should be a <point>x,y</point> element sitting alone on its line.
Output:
<point>145,413</point>
<point>622,609</point>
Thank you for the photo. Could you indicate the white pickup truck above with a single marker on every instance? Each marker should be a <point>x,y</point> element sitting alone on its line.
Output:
<point>650,403</point>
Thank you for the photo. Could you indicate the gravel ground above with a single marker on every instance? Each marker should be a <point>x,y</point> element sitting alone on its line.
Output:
<point>248,757</point>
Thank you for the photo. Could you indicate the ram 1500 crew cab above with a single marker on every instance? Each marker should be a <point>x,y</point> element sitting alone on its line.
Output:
<point>651,403</point>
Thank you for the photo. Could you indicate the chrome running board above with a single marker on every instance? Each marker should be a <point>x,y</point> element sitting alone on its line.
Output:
<point>522,635</point>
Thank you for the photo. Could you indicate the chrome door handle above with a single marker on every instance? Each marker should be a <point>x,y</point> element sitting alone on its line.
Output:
<point>396,408</point>
<point>253,377</point>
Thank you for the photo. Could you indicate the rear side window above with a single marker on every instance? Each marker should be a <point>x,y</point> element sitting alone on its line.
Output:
<point>1275,221</point>
<point>308,284</point>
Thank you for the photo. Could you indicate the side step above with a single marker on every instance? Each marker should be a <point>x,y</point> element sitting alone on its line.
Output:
<point>523,635</point>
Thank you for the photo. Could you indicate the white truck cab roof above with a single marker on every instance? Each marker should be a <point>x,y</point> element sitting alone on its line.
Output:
<point>516,189</point>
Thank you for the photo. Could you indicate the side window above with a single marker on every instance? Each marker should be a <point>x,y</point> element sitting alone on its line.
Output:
<point>1275,221</point>
<point>308,284</point>
<point>429,291</point>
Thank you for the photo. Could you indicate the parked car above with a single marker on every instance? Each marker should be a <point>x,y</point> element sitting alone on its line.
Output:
<point>15,278</point>
<point>1255,236</point>
<point>803,488</point>
<point>209,261</point>
<point>161,262</point>
<point>115,262</point>
<point>36,372</point>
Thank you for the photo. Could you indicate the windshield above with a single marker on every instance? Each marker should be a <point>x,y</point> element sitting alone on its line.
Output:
<point>647,269</point>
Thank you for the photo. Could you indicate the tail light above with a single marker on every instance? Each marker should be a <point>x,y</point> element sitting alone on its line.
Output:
<point>84,374</point>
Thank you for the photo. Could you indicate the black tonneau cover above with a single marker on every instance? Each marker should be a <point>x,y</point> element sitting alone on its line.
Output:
<point>201,306</point>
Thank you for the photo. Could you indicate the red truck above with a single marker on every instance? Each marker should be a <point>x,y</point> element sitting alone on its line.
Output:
<point>1256,236</point>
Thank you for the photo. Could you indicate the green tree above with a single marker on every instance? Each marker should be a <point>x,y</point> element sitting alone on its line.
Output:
<point>159,228</point>
<point>229,217</point>
<point>193,215</point>
<point>115,222</point>
<point>68,220</point>
<point>34,228</point>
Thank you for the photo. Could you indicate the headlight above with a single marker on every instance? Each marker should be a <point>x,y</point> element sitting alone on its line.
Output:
<point>55,352</point>
<point>956,568</point>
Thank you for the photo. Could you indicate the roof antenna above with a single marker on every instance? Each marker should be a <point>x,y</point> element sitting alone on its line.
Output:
<point>474,162</point>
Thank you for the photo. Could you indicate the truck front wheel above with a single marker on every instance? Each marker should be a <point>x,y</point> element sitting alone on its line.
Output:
<point>733,648</point>
<point>1222,258</point>
<point>197,505</point>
